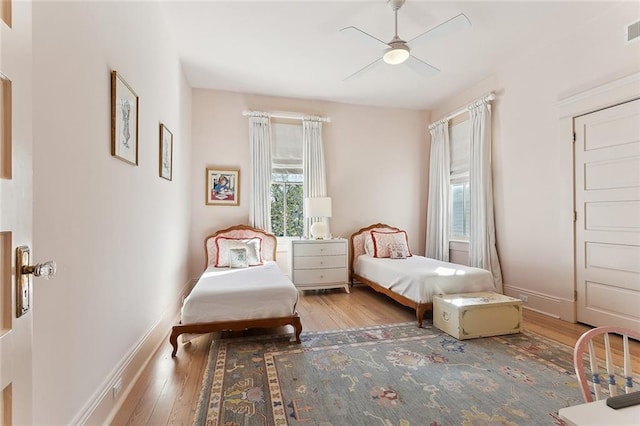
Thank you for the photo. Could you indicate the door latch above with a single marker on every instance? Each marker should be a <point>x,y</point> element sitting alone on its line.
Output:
<point>24,271</point>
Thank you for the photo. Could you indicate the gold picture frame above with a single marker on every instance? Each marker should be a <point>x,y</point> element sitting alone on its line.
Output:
<point>124,120</point>
<point>166,153</point>
<point>222,186</point>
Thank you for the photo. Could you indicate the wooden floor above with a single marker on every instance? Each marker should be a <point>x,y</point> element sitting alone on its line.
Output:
<point>167,391</point>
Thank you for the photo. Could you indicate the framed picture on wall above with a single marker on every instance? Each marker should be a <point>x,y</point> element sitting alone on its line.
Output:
<point>124,120</point>
<point>223,186</point>
<point>166,153</point>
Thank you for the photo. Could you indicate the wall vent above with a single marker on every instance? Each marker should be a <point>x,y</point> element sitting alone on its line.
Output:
<point>632,32</point>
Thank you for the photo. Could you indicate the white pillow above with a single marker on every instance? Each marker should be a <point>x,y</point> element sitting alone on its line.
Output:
<point>238,258</point>
<point>368,244</point>
<point>382,241</point>
<point>224,244</point>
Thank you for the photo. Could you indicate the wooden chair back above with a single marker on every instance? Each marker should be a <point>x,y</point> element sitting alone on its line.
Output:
<point>602,355</point>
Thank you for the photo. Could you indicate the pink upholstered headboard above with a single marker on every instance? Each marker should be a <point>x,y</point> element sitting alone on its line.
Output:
<point>268,246</point>
<point>356,241</point>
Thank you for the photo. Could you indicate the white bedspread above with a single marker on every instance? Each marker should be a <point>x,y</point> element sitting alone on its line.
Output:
<point>230,294</point>
<point>418,278</point>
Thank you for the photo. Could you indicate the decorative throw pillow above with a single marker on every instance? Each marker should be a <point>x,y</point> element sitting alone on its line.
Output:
<point>252,245</point>
<point>383,240</point>
<point>368,244</point>
<point>397,251</point>
<point>238,258</point>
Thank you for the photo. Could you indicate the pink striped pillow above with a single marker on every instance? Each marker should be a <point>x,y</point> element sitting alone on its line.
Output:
<point>382,242</point>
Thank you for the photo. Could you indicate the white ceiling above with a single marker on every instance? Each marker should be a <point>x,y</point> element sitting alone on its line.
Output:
<point>295,49</point>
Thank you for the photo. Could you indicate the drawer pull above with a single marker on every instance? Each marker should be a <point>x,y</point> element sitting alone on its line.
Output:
<point>445,316</point>
<point>322,263</point>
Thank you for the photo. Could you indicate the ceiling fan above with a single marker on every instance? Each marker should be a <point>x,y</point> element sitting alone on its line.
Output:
<point>398,51</point>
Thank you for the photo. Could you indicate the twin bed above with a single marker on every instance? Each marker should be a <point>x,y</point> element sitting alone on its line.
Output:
<point>408,279</point>
<point>257,294</point>
<point>237,298</point>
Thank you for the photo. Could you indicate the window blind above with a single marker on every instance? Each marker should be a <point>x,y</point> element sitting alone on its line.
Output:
<point>286,148</point>
<point>459,147</point>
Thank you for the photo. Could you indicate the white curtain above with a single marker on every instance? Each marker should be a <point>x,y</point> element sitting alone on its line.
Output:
<point>260,148</point>
<point>482,233</point>
<point>438,207</point>
<point>315,181</point>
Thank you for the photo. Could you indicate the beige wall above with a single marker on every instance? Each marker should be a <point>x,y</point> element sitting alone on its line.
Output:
<point>376,161</point>
<point>118,232</point>
<point>532,167</point>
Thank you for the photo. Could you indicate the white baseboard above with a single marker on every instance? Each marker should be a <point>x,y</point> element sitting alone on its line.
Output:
<point>102,407</point>
<point>556,307</point>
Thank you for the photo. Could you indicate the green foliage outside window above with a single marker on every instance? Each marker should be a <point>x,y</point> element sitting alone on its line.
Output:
<point>287,217</point>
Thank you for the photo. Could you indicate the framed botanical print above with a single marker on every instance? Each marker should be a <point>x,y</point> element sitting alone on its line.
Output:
<point>124,120</point>
<point>166,153</point>
<point>223,186</point>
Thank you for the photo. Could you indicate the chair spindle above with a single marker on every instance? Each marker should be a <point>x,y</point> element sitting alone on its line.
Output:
<point>611,374</point>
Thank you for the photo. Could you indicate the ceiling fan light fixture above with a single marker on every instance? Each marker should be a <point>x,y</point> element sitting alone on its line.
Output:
<point>396,54</point>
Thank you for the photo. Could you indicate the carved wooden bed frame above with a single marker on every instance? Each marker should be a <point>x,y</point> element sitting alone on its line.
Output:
<point>356,248</point>
<point>269,243</point>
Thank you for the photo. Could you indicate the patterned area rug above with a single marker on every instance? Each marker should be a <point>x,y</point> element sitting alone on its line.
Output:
<point>387,375</point>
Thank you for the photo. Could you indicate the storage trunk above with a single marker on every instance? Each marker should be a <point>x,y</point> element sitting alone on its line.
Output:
<point>470,315</point>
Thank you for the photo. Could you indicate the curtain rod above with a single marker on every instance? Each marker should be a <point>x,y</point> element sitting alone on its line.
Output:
<point>288,115</point>
<point>485,99</point>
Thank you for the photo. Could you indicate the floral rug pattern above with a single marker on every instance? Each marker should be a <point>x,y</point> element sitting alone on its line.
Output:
<point>387,375</point>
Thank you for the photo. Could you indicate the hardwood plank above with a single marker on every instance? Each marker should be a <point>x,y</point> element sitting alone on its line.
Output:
<point>168,390</point>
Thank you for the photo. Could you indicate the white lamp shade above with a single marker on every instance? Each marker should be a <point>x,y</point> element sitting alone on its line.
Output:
<point>317,207</point>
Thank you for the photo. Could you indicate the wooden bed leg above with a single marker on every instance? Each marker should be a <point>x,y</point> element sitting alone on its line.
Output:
<point>420,314</point>
<point>173,339</point>
<point>297,324</point>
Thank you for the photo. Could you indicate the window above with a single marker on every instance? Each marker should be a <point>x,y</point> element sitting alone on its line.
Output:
<point>459,182</point>
<point>459,211</point>
<point>286,204</point>
<point>287,217</point>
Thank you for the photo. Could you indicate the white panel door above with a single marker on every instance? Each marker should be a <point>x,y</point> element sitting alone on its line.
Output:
<point>607,228</point>
<point>15,209</point>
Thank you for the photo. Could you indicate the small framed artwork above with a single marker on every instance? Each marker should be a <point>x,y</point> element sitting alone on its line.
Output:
<point>166,153</point>
<point>124,120</point>
<point>223,186</point>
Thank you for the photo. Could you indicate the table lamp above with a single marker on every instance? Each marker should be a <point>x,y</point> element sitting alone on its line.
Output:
<point>319,207</point>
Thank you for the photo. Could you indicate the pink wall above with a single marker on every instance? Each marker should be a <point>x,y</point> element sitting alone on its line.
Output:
<point>532,167</point>
<point>376,162</point>
<point>126,240</point>
<point>118,232</point>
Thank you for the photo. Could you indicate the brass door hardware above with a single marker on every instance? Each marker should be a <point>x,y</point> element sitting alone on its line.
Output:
<point>23,277</point>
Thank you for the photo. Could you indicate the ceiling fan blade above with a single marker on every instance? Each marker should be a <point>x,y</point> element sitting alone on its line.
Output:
<point>457,23</point>
<point>355,30</point>
<point>420,66</point>
<point>364,69</point>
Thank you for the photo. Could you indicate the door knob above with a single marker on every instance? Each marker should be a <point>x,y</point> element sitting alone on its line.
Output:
<point>23,277</point>
<point>46,269</point>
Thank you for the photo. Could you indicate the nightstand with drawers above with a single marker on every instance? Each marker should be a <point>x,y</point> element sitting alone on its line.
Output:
<point>320,264</point>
